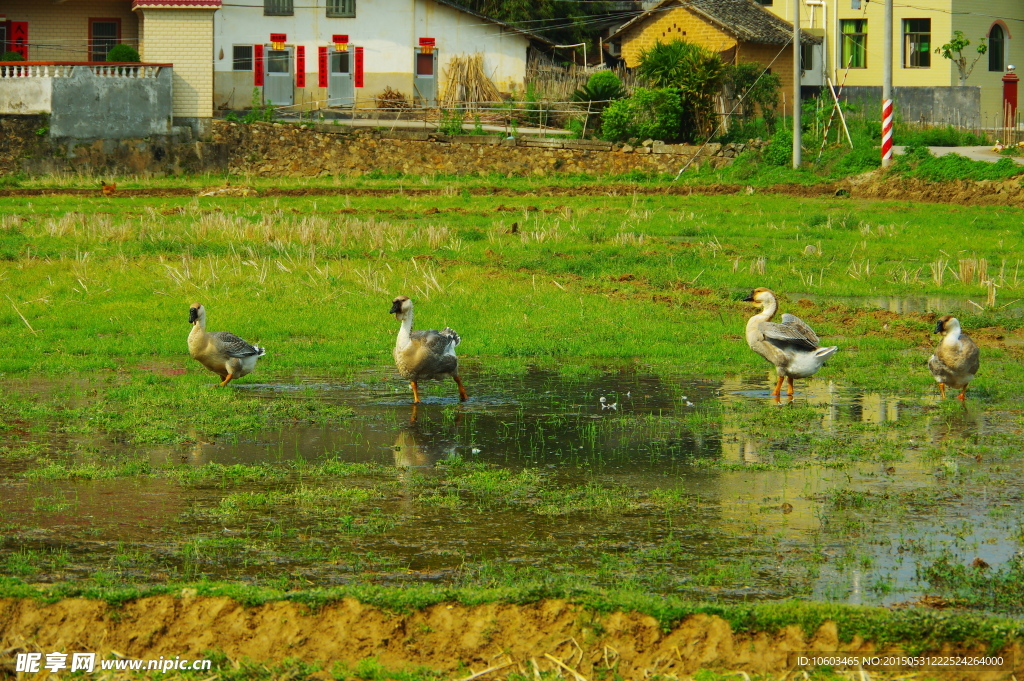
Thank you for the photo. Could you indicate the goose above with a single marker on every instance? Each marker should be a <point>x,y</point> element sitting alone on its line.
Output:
<point>791,346</point>
<point>956,359</point>
<point>225,354</point>
<point>423,355</point>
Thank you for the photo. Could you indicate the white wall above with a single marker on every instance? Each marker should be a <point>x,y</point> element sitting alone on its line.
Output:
<point>387,30</point>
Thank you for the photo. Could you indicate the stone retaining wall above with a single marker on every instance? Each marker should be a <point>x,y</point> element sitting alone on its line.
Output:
<point>278,149</point>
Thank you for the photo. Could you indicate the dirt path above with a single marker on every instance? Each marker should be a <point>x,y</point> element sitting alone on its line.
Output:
<point>450,638</point>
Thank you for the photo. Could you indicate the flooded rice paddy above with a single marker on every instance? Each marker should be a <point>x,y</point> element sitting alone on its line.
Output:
<point>614,476</point>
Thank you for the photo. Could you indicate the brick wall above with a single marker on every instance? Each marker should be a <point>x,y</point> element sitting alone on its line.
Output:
<point>60,32</point>
<point>183,37</point>
<point>674,24</point>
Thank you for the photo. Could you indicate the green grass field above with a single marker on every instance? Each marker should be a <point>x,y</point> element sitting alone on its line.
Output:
<point>600,290</point>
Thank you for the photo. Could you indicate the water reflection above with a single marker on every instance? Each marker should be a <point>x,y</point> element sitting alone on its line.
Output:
<point>762,491</point>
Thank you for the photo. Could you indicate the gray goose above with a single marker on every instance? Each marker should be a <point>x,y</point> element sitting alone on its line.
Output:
<point>424,355</point>
<point>225,354</point>
<point>955,361</point>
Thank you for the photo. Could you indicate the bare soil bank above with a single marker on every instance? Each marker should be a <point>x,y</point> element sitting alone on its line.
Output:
<point>876,186</point>
<point>451,638</point>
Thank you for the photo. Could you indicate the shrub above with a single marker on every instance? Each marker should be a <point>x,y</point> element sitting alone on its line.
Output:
<point>696,72</point>
<point>779,151</point>
<point>758,90</point>
<point>648,113</point>
<point>123,53</point>
<point>11,56</point>
<point>602,89</point>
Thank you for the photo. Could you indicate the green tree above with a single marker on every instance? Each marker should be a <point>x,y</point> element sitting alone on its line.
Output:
<point>563,21</point>
<point>757,89</point>
<point>954,51</point>
<point>654,114</point>
<point>602,89</point>
<point>698,74</point>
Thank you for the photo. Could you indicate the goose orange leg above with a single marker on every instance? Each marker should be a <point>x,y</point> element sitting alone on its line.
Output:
<point>963,394</point>
<point>778,387</point>
<point>227,379</point>
<point>789,387</point>
<point>415,393</point>
<point>942,390</point>
<point>462,389</point>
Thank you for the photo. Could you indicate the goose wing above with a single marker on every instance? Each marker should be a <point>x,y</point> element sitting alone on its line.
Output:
<point>788,333</point>
<point>799,324</point>
<point>970,352</point>
<point>233,346</point>
<point>437,342</point>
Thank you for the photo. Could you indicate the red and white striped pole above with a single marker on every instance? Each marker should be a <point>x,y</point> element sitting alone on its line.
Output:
<point>887,86</point>
<point>886,132</point>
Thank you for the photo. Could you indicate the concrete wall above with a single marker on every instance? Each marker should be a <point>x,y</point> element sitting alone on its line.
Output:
<point>26,95</point>
<point>113,107</point>
<point>937,105</point>
<point>387,30</point>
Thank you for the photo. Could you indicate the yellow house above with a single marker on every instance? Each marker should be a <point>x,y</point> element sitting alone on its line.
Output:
<point>178,32</point>
<point>739,30</point>
<point>854,44</point>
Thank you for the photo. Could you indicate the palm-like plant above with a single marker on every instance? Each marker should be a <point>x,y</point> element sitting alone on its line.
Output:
<point>695,71</point>
<point>601,89</point>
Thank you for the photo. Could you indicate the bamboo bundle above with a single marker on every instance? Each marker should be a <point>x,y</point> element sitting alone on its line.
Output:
<point>466,85</point>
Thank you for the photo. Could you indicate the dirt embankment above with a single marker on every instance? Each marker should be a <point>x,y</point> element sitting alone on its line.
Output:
<point>451,638</point>
<point>876,186</point>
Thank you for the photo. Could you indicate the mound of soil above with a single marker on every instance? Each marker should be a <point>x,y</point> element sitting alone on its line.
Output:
<point>450,638</point>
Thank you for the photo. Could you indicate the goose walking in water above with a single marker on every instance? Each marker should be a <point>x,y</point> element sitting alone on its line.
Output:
<point>424,355</point>
<point>791,346</point>
<point>225,354</point>
<point>956,359</point>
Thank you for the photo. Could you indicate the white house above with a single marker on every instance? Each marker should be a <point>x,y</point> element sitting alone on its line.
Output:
<point>343,53</point>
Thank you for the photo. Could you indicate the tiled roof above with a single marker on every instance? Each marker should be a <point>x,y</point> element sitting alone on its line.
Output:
<point>746,20</point>
<point>162,4</point>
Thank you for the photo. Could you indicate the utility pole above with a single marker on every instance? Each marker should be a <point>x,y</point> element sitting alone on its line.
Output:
<point>887,88</point>
<point>797,149</point>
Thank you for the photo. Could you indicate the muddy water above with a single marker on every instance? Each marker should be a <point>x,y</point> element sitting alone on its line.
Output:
<point>835,494</point>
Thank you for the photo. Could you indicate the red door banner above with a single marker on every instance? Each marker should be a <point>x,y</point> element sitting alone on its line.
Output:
<point>321,59</point>
<point>300,66</point>
<point>358,76</point>
<point>18,42</point>
<point>257,66</point>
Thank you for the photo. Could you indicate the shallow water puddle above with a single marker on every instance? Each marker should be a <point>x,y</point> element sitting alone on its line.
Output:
<point>612,477</point>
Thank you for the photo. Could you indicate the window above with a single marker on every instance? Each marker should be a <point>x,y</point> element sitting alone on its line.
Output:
<point>424,64</point>
<point>341,8</point>
<point>996,49</point>
<point>917,43</point>
<point>806,57</point>
<point>766,3</point>
<point>855,43</point>
<point>279,61</point>
<point>278,8</point>
<point>241,59</point>
<point>103,35</point>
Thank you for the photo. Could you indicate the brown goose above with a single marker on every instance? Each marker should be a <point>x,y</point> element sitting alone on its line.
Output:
<point>225,354</point>
<point>956,359</point>
<point>423,355</point>
<point>791,346</point>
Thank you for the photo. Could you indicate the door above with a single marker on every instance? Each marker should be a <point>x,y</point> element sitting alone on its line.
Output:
<point>425,79</point>
<point>277,86</point>
<point>340,88</point>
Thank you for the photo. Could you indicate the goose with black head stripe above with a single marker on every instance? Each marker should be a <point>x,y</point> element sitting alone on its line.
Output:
<point>223,353</point>
<point>424,355</point>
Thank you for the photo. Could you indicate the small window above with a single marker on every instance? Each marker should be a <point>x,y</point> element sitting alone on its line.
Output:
<point>341,8</point>
<point>917,43</point>
<point>241,59</point>
<point>996,49</point>
<point>340,62</point>
<point>103,35</point>
<point>424,64</point>
<point>855,43</point>
<point>279,61</point>
<point>278,8</point>
<point>806,57</point>
<point>766,3</point>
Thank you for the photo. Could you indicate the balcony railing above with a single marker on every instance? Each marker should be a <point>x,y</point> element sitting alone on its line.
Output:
<point>64,69</point>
